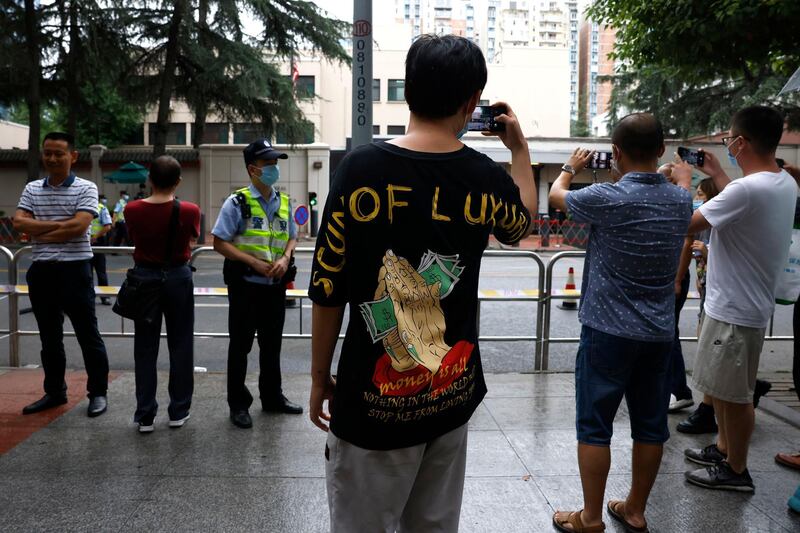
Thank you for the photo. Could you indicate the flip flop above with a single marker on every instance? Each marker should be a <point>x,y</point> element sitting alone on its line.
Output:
<point>792,460</point>
<point>574,520</point>
<point>619,517</point>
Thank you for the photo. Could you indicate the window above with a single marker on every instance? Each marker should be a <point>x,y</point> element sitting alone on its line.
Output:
<point>214,133</point>
<point>135,136</point>
<point>396,130</point>
<point>376,129</point>
<point>397,90</point>
<point>304,88</point>
<point>247,132</point>
<point>176,133</point>
<point>376,90</point>
<point>305,134</point>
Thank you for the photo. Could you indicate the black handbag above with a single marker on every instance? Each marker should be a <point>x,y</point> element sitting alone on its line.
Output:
<point>138,297</point>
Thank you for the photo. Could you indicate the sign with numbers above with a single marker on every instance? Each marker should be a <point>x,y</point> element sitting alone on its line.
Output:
<point>362,73</point>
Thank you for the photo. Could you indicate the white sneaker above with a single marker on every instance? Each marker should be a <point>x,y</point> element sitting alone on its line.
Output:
<point>178,423</point>
<point>676,405</point>
<point>145,428</point>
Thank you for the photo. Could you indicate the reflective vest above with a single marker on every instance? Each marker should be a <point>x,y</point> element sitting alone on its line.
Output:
<point>121,212</point>
<point>263,238</point>
<point>97,227</point>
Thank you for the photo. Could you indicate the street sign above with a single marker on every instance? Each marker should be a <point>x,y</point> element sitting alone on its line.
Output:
<point>301,215</point>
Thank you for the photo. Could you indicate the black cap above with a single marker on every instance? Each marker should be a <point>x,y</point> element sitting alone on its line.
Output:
<point>261,149</point>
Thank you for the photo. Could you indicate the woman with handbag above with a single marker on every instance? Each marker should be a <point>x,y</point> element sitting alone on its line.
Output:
<point>163,230</point>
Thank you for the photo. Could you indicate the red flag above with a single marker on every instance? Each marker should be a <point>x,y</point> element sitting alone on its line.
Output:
<point>295,74</point>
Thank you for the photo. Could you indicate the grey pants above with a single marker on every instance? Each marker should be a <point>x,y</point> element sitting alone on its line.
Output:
<point>416,489</point>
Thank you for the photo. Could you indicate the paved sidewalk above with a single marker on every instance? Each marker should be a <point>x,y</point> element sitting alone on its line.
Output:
<point>81,474</point>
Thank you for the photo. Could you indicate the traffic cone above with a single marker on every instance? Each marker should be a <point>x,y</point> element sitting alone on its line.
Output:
<point>570,303</point>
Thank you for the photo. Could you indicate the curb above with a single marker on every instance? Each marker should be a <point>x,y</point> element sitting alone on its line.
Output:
<point>780,411</point>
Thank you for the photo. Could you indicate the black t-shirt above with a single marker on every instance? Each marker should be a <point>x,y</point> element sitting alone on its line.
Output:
<point>401,241</point>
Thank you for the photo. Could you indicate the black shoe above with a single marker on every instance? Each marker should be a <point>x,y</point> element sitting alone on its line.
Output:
<point>241,419</point>
<point>708,456</point>
<point>762,388</point>
<point>97,406</point>
<point>700,421</point>
<point>721,477</point>
<point>282,405</point>
<point>46,402</point>
<point>105,300</point>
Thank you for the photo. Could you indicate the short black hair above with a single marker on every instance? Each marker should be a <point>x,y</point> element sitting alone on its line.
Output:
<point>640,136</point>
<point>761,125</point>
<point>165,172</point>
<point>60,136</point>
<point>442,73</point>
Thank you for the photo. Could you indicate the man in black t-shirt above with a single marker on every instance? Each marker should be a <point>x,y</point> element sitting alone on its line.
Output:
<point>401,240</point>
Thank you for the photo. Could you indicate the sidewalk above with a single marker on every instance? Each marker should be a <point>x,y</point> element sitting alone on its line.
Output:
<point>77,474</point>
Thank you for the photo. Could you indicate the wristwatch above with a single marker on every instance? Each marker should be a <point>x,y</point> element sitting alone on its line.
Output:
<point>568,168</point>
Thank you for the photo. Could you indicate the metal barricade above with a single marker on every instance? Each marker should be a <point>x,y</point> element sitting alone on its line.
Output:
<point>550,296</point>
<point>8,291</point>
<point>538,295</point>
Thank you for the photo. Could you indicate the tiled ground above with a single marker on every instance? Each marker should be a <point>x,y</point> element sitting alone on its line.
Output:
<point>78,474</point>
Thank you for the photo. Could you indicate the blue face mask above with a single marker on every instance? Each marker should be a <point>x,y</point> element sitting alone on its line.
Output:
<point>731,157</point>
<point>269,175</point>
<point>696,204</point>
<point>463,132</point>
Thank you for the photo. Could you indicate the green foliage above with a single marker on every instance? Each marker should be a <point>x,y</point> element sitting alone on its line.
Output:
<point>580,126</point>
<point>694,62</point>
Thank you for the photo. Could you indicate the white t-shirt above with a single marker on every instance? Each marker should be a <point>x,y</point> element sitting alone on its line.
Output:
<point>752,222</point>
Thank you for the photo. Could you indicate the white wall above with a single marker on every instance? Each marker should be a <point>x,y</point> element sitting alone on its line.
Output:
<point>13,135</point>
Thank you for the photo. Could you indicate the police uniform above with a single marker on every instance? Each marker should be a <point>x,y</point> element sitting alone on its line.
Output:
<point>98,261</point>
<point>260,227</point>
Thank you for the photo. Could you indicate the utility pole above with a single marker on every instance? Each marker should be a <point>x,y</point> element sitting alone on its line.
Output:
<point>362,73</point>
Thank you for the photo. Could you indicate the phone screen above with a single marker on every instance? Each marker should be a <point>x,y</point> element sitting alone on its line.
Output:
<point>483,119</point>
<point>600,160</point>
<point>693,157</point>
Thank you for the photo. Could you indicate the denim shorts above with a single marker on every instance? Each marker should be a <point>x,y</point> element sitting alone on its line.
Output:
<point>609,367</point>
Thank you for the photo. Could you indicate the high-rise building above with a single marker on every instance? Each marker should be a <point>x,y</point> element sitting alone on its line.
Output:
<point>596,43</point>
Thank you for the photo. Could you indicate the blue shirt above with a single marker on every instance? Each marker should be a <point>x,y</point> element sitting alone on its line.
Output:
<point>104,217</point>
<point>637,230</point>
<point>230,222</point>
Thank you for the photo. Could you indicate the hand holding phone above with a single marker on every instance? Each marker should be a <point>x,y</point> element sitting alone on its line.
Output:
<point>693,157</point>
<point>484,118</point>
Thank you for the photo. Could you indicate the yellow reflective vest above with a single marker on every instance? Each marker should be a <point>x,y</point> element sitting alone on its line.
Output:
<point>97,227</point>
<point>263,238</point>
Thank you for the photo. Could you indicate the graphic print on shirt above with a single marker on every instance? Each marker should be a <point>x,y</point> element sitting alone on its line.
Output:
<point>407,317</point>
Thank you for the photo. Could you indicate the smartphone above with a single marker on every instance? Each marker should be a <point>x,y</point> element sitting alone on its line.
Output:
<point>781,162</point>
<point>600,160</point>
<point>483,119</point>
<point>693,157</point>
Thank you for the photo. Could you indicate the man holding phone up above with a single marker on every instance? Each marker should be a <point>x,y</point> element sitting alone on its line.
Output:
<point>403,232</point>
<point>749,250</point>
<point>637,229</point>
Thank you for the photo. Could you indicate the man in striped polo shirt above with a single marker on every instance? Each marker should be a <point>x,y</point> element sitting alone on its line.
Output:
<point>56,212</point>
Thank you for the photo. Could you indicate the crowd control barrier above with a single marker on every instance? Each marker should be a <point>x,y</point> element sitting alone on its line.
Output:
<point>14,290</point>
<point>543,296</point>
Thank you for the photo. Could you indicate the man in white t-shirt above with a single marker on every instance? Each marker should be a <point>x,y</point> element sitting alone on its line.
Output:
<point>751,224</point>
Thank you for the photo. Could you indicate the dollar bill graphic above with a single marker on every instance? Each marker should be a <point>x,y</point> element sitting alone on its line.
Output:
<point>379,316</point>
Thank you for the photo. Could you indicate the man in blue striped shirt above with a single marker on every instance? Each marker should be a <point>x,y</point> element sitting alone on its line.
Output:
<point>56,212</point>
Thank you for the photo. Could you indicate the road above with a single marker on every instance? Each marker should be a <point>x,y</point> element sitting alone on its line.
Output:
<point>497,318</point>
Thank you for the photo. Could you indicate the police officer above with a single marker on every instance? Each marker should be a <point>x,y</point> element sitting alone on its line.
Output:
<point>257,236</point>
<point>100,228</point>
<point>120,229</point>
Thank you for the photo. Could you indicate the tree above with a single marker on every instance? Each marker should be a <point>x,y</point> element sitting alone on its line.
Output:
<point>694,62</point>
<point>580,126</point>
<point>220,69</point>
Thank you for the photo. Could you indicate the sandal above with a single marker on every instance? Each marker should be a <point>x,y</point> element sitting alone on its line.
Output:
<point>574,519</point>
<point>792,460</point>
<point>612,507</point>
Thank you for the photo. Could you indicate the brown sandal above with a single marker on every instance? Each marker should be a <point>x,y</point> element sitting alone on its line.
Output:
<point>574,519</point>
<point>613,507</point>
<point>792,460</point>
